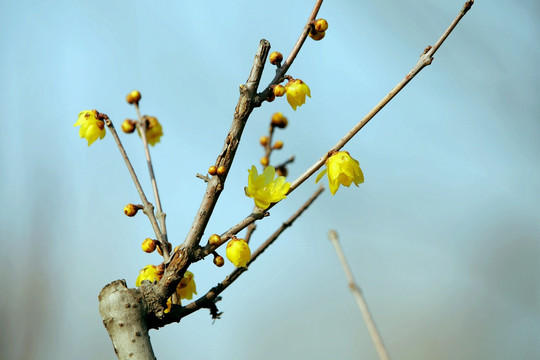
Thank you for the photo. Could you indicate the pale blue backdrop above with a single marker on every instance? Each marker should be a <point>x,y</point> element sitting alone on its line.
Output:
<point>443,237</point>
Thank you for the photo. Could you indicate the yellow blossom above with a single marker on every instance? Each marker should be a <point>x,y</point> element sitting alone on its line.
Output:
<point>92,128</point>
<point>296,93</point>
<point>238,252</point>
<point>341,169</point>
<point>154,131</point>
<point>186,288</point>
<point>264,189</point>
<point>149,272</point>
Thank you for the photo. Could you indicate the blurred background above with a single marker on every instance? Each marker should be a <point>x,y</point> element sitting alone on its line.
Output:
<point>443,236</point>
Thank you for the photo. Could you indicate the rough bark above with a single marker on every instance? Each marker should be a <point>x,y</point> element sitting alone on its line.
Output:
<point>124,315</point>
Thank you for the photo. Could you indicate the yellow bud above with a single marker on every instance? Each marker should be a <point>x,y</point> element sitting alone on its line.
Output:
<point>149,245</point>
<point>278,144</point>
<point>128,126</point>
<point>131,210</point>
<point>317,35</point>
<point>159,250</point>
<point>219,261</point>
<point>264,161</point>
<point>221,170</point>
<point>212,170</point>
<point>321,25</point>
<point>264,140</point>
<point>278,120</point>
<point>133,97</point>
<point>214,239</point>
<point>276,58</point>
<point>238,252</point>
<point>279,90</point>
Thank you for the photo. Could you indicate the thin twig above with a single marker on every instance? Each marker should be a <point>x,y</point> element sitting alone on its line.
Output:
<point>362,304</point>
<point>250,229</point>
<point>148,208</point>
<point>209,298</point>
<point>425,59</point>
<point>143,125</point>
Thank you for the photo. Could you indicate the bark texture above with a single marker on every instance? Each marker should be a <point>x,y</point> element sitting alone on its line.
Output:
<point>124,315</point>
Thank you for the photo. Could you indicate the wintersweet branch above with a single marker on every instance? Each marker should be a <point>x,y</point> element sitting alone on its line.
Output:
<point>208,300</point>
<point>142,124</point>
<point>282,70</point>
<point>148,207</point>
<point>425,59</point>
<point>362,304</point>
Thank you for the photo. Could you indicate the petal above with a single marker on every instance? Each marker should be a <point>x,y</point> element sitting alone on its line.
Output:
<point>320,175</point>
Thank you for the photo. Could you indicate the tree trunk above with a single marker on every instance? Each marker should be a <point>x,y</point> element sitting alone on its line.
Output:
<point>124,315</point>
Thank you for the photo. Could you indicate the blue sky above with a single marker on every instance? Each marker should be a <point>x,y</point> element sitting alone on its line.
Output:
<point>443,236</point>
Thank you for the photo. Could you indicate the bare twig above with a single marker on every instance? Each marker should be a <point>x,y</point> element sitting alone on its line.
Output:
<point>362,304</point>
<point>148,208</point>
<point>250,229</point>
<point>425,59</point>
<point>142,124</point>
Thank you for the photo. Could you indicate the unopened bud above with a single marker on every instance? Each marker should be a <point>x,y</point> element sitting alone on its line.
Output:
<point>276,58</point>
<point>221,170</point>
<point>219,261</point>
<point>278,144</point>
<point>128,126</point>
<point>133,97</point>
<point>149,245</point>
<point>321,25</point>
<point>131,210</point>
<point>212,170</point>
<point>264,140</point>
<point>279,90</point>
<point>317,35</point>
<point>214,239</point>
<point>278,120</point>
<point>264,161</point>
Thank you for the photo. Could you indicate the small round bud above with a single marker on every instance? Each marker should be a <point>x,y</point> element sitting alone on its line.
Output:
<point>278,120</point>
<point>281,171</point>
<point>159,250</point>
<point>214,239</point>
<point>279,90</point>
<point>321,25</point>
<point>264,161</point>
<point>131,210</point>
<point>221,170</point>
<point>264,140</point>
<point>271,97</point>
<point>148,245</point>
<point>212,170</point>
<point>128,126</point>
<point>276,58</point>
<point>317,35</point>
<point>278,144</point>
<point>133,97</point>
<point>219,261</point>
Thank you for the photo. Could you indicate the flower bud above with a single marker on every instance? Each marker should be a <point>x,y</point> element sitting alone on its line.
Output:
<point>149,245</point>
<point>133,97</point>
<point>221,170</point>
<point>278,144</point>
<point>282,171</point>
<point>278,120</point>
<point>264,161</point>
<point>214,239</point>
<point>321,25</point>
<point>219,261</point>
<point>276,58</point>
<point>212,170</point>
<point>271,97</point>
<point>238,252</point>
<point>128,126</point>
<point>264,140</point>
<point>159,250</point>
<point>131,210</point>
<point>317,35</point>
<point>279,90</point>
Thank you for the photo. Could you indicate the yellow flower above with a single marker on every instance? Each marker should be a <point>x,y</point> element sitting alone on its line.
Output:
<point>238,252</point>
<point>264,189</point>
<point>296,93</point>
<point>154,131</point>
<point>149,272</point>
<point>92,128</point>
<point>186,288</point>
<point>341,169</point>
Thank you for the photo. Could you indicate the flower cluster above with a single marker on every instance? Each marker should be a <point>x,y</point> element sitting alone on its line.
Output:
<point>342,169</point>
<point>185,289</point>
<point>154,130</point>
<point>92,128</point>
<point>149,272</point>
<point>264,189</point>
